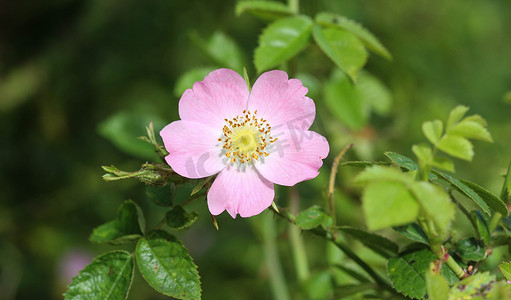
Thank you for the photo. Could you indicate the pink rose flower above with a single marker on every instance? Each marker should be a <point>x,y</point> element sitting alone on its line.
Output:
<point>251,139</point>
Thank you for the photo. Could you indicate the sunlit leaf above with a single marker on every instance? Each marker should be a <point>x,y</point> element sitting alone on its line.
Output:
<point>455,116</point>
<point>370,41</point>
<point>477,285</point>
<point>281,41</point>
<point>266,10</point>
<point>433,130</point>
<point>443,163</point>
<point>436,285</point>
<point>388,203</point>
<point>343,48</point>
<point>505,268</point>
<point>436,203</point>
<point>382,173</point>
<point>107,277</point>
<point>456,146</point>
<point>471,130</point>
<point>167,267</point>
<point>423,153</point>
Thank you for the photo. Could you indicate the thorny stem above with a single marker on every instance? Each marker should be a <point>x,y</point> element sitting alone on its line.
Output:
<point>331,184</point>
<point>330,236</point>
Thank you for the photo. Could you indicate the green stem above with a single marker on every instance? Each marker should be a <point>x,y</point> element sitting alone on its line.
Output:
<point>441,254</point>
<point>328,235</point>
<point>297,245</point>
<point>277,280</point>
<point>494,221</point>
<point>294,5</point>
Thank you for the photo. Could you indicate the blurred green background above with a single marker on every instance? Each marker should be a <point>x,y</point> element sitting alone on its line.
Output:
<point>79,80</point>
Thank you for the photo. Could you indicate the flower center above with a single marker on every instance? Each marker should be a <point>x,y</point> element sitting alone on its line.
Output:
<point>246,137</point>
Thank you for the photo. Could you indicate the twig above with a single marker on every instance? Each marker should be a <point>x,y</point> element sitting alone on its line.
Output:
<point>331,183</point>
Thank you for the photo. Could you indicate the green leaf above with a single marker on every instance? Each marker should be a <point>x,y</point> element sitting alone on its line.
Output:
<point>436,285</point>
<point>494,202</point>
<point>505,268</point>
<point>470,250</point>
<point>373,93</point>
<point>482,227</point>
<point>281,41</point>
<point>471,130</point>
<point>423,153</point>
<point>465,190</point>
<point>455,116</point>
<point>414,232</point>
<point>476,118</point>
<point>225,52</point>
<point>476,286</point>
<point>266,10</point>
<point>343,48</point>
<point>187,80</point>
<point>370,41</point>
<point>312,217</point>
<point>388,203</point>
<point>377,243</point>
<point>108,276</point>
<point>343,101</point>
<point>127,227</point>
<point>443,163</point>
<point>124,128</point>
<point>362,164</point>
<point>178,219</point>
<point>506,186</point>
<point>161,195</point>
<point>408,270</point>
<point>167,267</point>
<point>382,173</point>
<point>402,161</point>
<point>435,203</point>
<point>200,185</point>
<point>433,130</point>
<point>456,146</point>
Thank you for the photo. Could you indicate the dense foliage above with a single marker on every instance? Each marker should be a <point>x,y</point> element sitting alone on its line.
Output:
<point>389,216</point>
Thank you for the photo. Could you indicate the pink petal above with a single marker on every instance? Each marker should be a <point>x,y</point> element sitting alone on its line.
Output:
<point>281,101</point>
<point>194,150</point>
<point>222,94</point>
<point>296,156</point>
<point>240,191</point>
